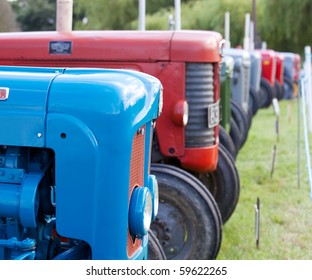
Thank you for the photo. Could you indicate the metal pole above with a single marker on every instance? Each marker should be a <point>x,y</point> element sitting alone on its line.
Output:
<point>307,51</point>
<point>252,40</point>
<point>247,32</point>
<point>64,15</point>
<point>306,139</point>
<point>257,223</point>
<point>299,141</point>
<point>177,9</point>
<point>142,11</point>
<point>227,30</point>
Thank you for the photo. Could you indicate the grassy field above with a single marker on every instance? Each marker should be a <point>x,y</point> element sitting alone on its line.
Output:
<point>285,202</point>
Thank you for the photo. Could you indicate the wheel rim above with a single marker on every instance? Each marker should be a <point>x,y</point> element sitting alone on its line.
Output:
<point>188,216</point>
<point>172,228</point>
<point>155,250</point>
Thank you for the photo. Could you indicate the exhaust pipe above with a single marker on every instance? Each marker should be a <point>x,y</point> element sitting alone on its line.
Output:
<point>64,15</point>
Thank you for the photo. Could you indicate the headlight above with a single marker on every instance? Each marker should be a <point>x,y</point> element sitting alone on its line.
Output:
<point>153,187</point>
<point>221,47</point>
<point>161,101</point>
<point>140,211</point>
<point>180,113</point>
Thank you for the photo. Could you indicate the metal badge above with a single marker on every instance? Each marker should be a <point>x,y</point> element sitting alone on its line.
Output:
<point>4,93</point>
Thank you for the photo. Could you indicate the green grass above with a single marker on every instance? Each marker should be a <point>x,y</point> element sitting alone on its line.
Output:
<point>285,202</point>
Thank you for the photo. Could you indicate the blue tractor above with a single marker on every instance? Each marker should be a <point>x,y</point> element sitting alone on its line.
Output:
<point>75,152</point>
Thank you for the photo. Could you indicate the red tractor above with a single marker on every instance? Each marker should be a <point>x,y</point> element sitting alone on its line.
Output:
<point>267,83</point>
<point>198,179</point>
<point>279,90</point>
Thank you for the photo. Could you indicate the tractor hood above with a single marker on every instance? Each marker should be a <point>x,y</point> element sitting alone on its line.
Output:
<point>183,45</point>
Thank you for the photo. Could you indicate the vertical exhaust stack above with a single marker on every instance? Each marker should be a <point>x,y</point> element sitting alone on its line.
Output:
<point>177,11</point>
<point>247,32</point>
<point>227,30</point>
<point>64,15</point>
<point>142,8</point>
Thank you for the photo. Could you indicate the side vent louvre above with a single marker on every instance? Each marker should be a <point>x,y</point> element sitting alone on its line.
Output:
<point>199,95</point>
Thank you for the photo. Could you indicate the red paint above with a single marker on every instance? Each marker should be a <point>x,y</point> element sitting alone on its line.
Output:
<point>162,54</point>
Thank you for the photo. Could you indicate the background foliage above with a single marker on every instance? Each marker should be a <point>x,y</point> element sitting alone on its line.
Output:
<point>283,24</point>
<point>7,17</point>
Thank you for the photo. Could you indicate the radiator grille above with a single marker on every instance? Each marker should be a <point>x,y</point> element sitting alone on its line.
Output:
<point>136,179</point>
<point>199,94</point>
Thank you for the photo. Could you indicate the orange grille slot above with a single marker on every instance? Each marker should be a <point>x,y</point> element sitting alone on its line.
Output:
<point>136,179</point>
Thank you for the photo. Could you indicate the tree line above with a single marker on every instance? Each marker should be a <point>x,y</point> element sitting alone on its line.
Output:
<point>282,24</point>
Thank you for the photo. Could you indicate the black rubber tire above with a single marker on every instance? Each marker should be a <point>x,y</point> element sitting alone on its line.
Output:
<point>249,117</point>
<point>188,224</point>
<point>278,91</point>
<point>288,88</point>
<point>267,93</point>
<point>155,250</point>
<point>226,140</point>
<point>223,184</point>
<point>254,101</point>
<point>235,134</point>
<point>241,119</point>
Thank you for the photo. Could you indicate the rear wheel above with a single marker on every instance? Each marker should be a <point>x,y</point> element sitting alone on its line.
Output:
<point>241,119</point>
<point>227,142</point>
<point>223,184</point>
<point>235,134</point>
<point>288,88</point>
<point>188,224</point>
<point>254,101</point>
<point>267,93</point>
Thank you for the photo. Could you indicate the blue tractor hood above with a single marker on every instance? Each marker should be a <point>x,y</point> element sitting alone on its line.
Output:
<point>28,94</point>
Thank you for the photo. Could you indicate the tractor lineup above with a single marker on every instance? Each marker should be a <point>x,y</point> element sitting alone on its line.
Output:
<point>122,144</point>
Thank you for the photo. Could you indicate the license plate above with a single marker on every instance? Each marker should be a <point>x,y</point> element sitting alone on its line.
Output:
<point>213,114</point>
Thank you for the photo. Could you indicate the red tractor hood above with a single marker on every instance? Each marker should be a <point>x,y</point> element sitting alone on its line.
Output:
<point>119,45</point>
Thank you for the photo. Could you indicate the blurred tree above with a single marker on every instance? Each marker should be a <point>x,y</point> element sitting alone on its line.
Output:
<point>207,15</point>
<point>8,21</point>
<point>99,14</point>
<point>285,24</point>
<point>35,15</point>
<point>117,14</point>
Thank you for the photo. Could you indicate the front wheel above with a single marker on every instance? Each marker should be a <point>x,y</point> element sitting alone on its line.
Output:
<point>188,224</point>
<point>155,250</point>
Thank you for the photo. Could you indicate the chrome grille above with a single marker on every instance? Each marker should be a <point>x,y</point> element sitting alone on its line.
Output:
<point>199,94</point>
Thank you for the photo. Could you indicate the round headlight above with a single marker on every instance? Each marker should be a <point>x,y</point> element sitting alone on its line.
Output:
<point>161,101</point>
<point>153,187</point>
<point>148,211</point>
<point>140,211</point>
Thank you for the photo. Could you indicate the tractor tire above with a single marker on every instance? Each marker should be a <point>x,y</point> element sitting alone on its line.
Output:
<point>235,135</point>
<point>223,184</point>
<point>288,88</point>
<point>188,224</point>
<point>241,119</point>
<point>155,250</point>
<point>267,93</point>
<point>254,101</point>
<point>226,140</point>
